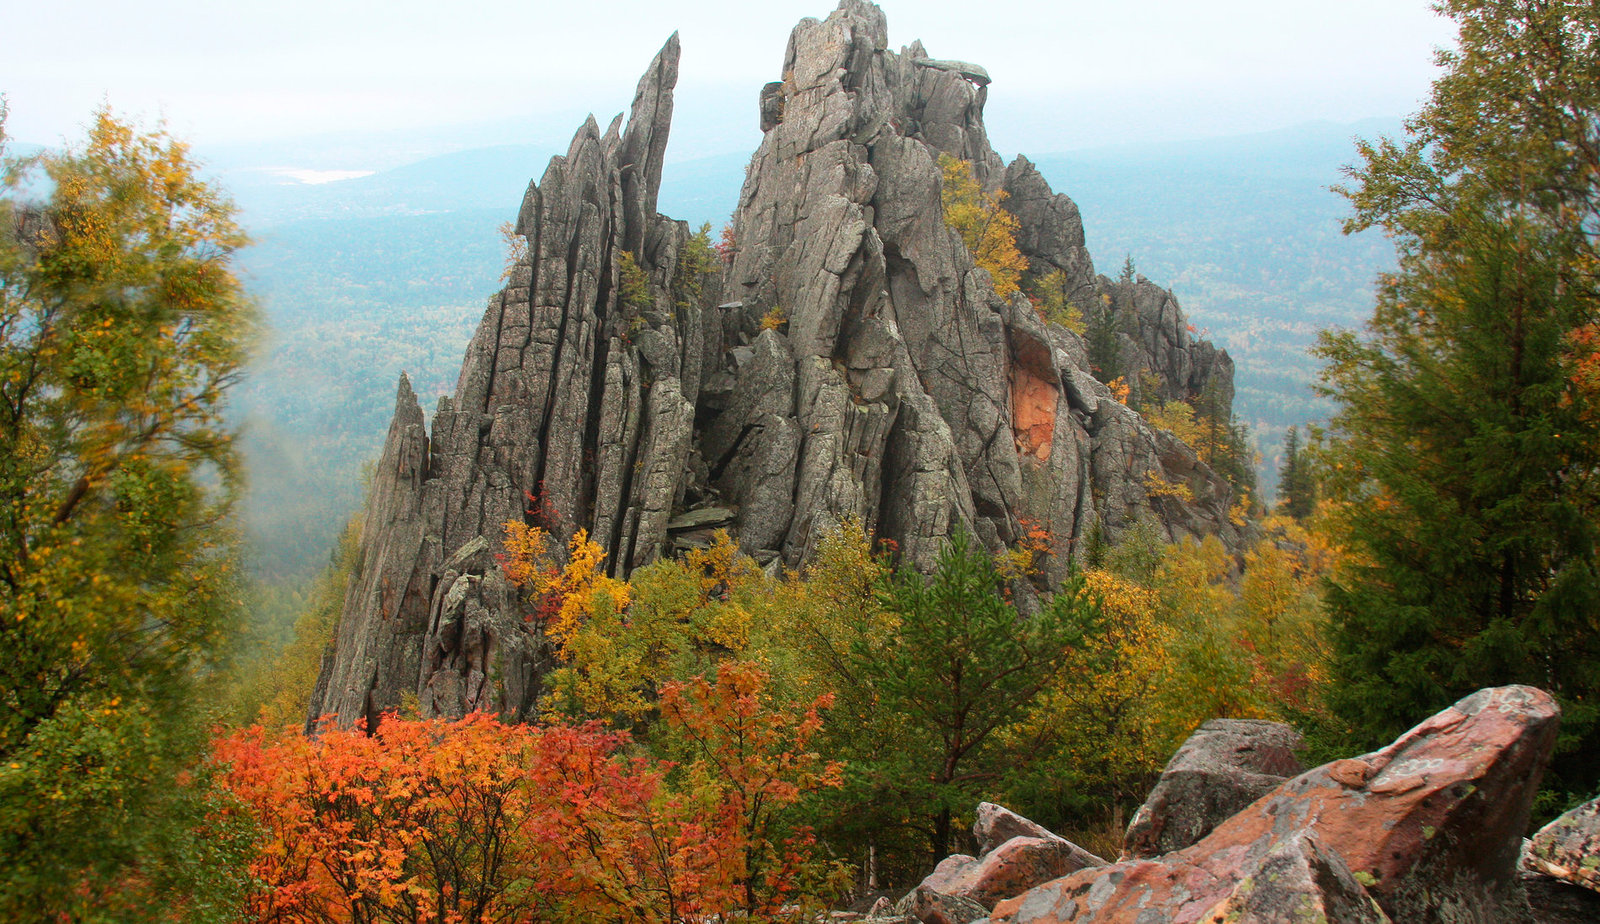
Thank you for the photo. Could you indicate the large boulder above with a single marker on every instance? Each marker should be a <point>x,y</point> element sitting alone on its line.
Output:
<point>1010,869</point>
<point>997,824</point>
<point>1223,767</point>
<point>1430,826</point>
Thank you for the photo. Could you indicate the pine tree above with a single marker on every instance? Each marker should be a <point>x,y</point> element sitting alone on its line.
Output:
<point>962,665</point>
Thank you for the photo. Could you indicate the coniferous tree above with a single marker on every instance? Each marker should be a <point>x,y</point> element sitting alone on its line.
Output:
<point>1296,487</point>
<point>960,667</point>
<point>1224,442</point>
<point>1105,343</point>
<point>1463,458</point>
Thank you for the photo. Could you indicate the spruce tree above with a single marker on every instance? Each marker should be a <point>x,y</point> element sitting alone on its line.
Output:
<point>1105,343</point>
<point>1464,454</point>
<point>1296,487</point>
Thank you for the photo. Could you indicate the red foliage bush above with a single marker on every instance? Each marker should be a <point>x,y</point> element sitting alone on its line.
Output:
<point>476,820</point>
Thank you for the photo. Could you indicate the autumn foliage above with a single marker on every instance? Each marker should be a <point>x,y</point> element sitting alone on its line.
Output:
<point>989,231</point>
<point>475,820</point>
<point>123,326</point>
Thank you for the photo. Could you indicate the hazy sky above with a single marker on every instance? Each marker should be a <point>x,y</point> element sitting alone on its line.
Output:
<point>1067,72</point>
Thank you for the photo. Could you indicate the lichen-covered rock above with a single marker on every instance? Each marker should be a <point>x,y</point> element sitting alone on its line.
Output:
<point>1010,869</point>
<point>1223,767</point>
<point>931,907</point>
<point>996,824</point>
<point>1295,883</point>
<point>848,361</point>
<point>1569,847</point>
<point>1430,826</point>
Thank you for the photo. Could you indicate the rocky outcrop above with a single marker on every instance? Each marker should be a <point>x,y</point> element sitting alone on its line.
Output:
<point>1223,767</point>
<point>1426,830</point>
<point>574,406</point>
<point>847,359</point>
<point>922,399</point>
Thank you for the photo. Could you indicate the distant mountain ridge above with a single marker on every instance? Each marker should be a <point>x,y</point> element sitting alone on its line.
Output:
<point>1304,158</point>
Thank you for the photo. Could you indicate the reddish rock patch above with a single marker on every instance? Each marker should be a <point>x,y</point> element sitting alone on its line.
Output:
<point>1035,392</point>
<point>1033,402</point>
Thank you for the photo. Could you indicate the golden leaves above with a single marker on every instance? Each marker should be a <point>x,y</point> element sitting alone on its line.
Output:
<point>989,231</point>
<point>566,595</point>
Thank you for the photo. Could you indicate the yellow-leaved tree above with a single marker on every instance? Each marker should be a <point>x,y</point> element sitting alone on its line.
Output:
<point>989,231</point>
<point>1098,735</point>
<point>122,328</point>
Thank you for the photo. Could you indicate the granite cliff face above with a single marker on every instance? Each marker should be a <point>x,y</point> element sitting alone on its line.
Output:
<point>845,358</point>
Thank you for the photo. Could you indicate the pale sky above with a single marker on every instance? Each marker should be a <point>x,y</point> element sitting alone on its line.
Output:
<point>1066,73</point>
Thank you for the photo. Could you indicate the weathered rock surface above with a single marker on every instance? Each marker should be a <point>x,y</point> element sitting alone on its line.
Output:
<point>1430,827</point>
<point>930,907</point>
<point>1568,848</point>
<point>849,359</point>
<point>1223,767</point>
<point>997,824</point>
<point>1010,869</point>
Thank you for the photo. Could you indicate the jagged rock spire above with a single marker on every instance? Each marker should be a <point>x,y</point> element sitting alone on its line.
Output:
<point>644,144</point>
<point>849,360</point>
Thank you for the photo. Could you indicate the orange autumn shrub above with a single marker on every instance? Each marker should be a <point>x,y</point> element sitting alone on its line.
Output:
<point>475,820</point>
<point>746,763</point>
<point>431,821</point>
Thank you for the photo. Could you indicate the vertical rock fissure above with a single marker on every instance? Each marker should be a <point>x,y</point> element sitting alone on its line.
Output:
<point>571,304</point>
